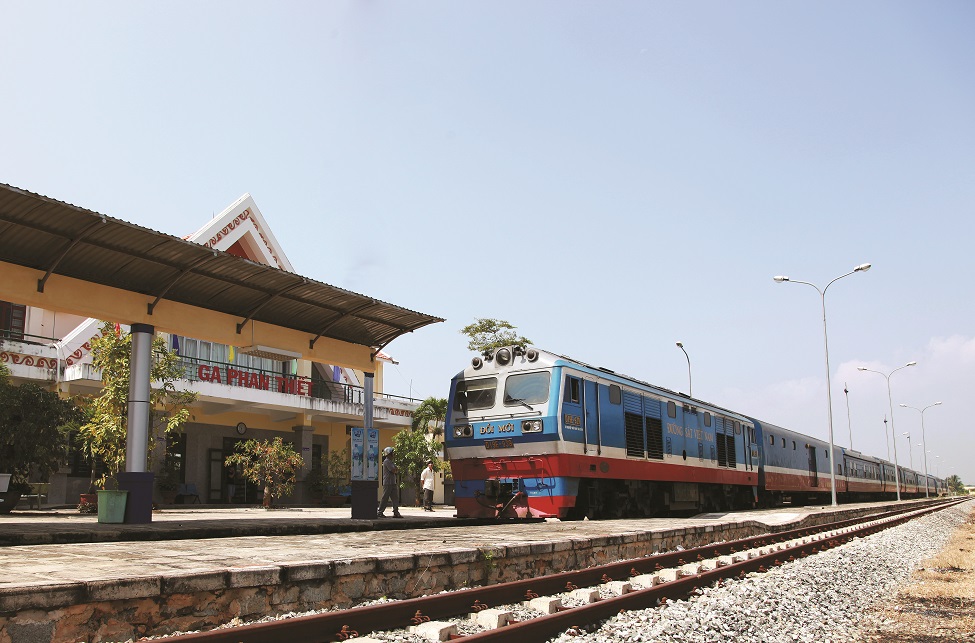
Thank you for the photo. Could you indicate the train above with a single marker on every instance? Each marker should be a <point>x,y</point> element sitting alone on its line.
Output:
<point>534,434</point>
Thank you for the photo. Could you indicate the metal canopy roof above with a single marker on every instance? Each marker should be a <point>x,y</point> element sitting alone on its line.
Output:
<point>59,238</point>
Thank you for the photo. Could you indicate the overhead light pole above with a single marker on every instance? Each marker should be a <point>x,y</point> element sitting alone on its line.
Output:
<point>897,475</point>
<point>690,388</point>
<point>887,437</point>
<point>910,452</point>
<point>849,424</point>
<point>863,267</point>
<point>924,443</point>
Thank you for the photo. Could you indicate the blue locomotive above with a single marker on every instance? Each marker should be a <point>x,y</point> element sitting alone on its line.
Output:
<point>536,434</point>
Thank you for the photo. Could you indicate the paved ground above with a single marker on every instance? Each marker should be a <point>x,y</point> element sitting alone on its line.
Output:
<point>209,538</point>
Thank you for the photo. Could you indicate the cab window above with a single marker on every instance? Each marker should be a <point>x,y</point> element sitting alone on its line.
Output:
<point>472,395</point>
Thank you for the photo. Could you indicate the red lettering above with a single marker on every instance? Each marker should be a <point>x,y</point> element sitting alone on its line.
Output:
<point>265,382</point>
<point>215,375</point>
<point>203,373</point>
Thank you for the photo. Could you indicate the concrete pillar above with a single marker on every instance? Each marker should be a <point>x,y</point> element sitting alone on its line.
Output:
<point>365,492</point>
<point>367,387</point>
<point>136,479</point>
<point>303,440</point>
<point>137,430</point>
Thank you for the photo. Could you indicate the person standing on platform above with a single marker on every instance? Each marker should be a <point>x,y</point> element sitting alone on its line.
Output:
<point>426,479</point>
<point>390,492</point>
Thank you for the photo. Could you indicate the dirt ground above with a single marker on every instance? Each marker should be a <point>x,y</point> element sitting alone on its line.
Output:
<point>938,604</point>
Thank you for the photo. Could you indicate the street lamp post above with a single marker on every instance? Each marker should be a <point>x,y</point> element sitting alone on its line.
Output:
<point>849,425</point>
<point>887,437</point>
<point>910,452</point>
<point>890,403</point>
<point>924,442</point>
<point>690,388</point>
<point>863,267</point>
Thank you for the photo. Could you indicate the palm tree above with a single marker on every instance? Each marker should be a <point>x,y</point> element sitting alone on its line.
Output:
<point>431,411</point>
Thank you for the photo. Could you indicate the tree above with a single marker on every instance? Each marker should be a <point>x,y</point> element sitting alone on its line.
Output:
<point>431,411</point>
<point>103,435</point>
<point>33,429</point>
<point>955,485</point>
<point>272,464</point>
<point>412,449</point>
<point>487,334</point>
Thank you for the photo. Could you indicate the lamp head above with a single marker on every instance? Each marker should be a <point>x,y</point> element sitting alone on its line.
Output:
<point>936,404</point>
<point>911,364</point>
<point>863,267</point>
<point>780,278</point>
<point>905,406</point>
<point>861,368</point>
<point>680,344</point>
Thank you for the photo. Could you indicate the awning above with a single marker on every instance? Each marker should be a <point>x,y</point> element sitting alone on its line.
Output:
<point>59,238</point>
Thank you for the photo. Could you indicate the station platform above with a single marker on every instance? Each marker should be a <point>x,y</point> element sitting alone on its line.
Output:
<point>62,570</point>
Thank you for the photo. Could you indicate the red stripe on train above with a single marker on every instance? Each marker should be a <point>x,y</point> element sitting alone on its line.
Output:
<point>582,466</point>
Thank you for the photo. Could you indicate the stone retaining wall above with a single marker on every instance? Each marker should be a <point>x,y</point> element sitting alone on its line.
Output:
<point>129,608</point>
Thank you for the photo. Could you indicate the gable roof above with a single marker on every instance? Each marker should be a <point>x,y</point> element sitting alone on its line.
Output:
<point>242,230</point>
<point>56,237</point>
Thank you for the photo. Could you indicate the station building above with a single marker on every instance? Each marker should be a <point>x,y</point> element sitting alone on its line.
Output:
<point>246,388</point>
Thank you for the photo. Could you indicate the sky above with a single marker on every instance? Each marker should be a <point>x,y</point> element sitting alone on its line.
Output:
<point>609,177</point>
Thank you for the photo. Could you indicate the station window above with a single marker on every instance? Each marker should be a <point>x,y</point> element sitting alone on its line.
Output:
<point>12,320</point>
<point>671,409</point>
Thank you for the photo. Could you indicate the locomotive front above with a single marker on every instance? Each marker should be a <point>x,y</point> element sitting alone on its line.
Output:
<point>502,436</point>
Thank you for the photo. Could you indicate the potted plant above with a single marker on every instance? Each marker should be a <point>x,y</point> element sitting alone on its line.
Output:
<point>103,435</point>
<point>271,464</point>
<point>33,427</point>
<point>167,482</point>
<point>332,478</point>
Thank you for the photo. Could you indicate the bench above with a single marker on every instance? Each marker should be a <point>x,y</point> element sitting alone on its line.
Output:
<point>38,493</point>
<point>187,494</point>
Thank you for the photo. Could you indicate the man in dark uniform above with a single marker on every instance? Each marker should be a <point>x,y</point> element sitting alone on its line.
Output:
<point>390,492</point>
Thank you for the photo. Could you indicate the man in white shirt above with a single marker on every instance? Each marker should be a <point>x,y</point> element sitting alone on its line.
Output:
<point>426,479</point>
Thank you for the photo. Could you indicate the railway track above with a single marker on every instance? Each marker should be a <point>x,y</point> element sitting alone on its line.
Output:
<point>597,593</point>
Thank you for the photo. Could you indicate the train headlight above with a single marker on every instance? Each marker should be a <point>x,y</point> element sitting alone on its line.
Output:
<point>477,363</point>
<point>463,431</point>
<point>503,357</point>
<point>531,426</point>
<point>532,354</point>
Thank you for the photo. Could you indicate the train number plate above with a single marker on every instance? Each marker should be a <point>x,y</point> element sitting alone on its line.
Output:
<point>501,443</point>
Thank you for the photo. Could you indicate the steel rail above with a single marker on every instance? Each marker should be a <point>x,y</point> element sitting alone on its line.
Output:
<point>545,627</point>
<point>337,625</point>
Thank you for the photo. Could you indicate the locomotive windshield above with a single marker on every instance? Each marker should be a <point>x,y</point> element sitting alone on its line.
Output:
<point>475,394</point>
<point>527,388</point>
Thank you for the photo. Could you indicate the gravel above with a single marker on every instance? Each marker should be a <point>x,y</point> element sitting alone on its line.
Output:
<point>818,599</point>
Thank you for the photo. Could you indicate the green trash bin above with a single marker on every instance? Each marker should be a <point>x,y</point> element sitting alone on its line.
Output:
<point>111,505</point>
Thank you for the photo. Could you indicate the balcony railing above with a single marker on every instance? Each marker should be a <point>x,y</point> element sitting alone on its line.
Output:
<point>27,338</point>
<point>204,370</point>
